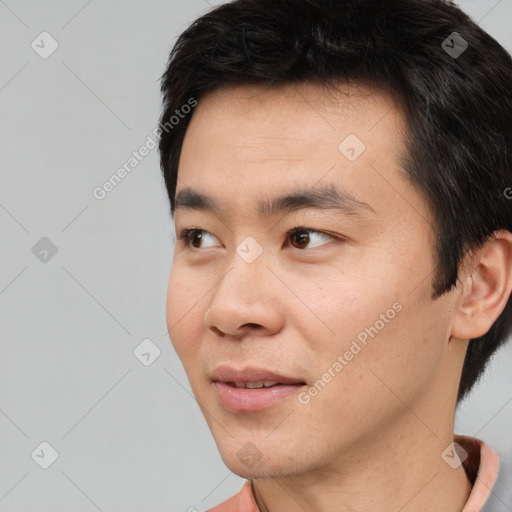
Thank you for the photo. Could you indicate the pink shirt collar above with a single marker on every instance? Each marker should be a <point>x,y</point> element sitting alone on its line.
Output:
<point>481,466</point>
<point>483,461</point>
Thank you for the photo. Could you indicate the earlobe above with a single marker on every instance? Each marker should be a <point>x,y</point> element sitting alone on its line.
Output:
<point>486,287</point>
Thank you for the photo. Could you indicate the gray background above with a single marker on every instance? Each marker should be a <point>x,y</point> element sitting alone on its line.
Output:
<point>129,437</point>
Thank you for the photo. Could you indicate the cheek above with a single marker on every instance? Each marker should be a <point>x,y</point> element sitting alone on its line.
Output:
<point>338,305</point>
<point>386,360</point>
<point>372,321</point>
<point>183,313</point>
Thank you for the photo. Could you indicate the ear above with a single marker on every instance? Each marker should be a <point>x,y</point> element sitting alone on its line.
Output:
<point>486,278</point>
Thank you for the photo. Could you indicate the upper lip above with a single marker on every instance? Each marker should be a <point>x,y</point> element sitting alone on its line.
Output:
<point>226,373</point>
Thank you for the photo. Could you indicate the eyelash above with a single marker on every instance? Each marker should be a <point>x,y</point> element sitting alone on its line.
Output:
<point>185,234</point>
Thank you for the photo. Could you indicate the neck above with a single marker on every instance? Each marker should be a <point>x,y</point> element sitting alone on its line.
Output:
<point>407,475</point>
<point>398,468</point>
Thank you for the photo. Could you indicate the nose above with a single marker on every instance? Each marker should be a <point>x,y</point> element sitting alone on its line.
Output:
<point>245,301</point>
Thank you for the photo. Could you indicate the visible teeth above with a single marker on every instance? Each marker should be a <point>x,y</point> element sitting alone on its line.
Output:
<point>255,385</point>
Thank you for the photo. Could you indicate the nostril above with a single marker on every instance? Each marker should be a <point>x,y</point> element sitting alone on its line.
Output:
<point>257,326</point>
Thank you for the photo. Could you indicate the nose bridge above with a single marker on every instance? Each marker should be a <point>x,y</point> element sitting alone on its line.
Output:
<point>246,272</point>
<point>243,295</point>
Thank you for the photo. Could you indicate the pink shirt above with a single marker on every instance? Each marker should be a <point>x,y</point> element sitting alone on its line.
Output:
<point>481,467</point>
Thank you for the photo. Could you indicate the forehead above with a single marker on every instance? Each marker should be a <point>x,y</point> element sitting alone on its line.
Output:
<point>245,142</point>
<point>278,117</point>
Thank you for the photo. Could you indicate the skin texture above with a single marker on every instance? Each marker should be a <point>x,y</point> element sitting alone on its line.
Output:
<point>372,439</point>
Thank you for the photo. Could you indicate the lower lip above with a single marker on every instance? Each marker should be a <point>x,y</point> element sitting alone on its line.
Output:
<point>244,399</point>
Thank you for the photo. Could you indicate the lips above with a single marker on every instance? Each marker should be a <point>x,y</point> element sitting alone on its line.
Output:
<point>250,376</point>
<point>252,389</point>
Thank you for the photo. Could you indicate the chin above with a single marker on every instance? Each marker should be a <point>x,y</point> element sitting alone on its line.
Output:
<point>259,470</point>
<point>249,462</point>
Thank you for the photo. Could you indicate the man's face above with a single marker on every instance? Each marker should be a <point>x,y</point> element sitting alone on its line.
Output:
<point>341,308</point>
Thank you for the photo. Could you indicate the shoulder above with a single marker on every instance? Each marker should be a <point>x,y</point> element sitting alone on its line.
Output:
<point>492,490</point>
<point>243,501</point>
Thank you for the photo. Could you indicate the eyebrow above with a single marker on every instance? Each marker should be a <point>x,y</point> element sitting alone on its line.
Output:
<point>331,197</point>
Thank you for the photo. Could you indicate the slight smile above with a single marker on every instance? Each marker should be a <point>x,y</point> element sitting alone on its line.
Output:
<point>252,389</point>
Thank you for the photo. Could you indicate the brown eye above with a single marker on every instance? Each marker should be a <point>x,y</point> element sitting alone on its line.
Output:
<point>301,238</point>
<point>194,237</point>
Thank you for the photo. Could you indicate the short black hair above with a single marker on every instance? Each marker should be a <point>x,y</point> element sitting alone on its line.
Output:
<point>452,80</point>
